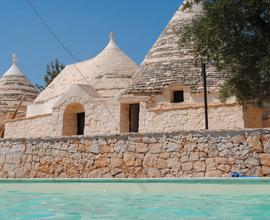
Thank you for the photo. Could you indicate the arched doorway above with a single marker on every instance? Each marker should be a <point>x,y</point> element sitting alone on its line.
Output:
<point>74,120</point>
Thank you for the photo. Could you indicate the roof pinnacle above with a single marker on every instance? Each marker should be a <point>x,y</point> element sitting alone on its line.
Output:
<point>112,36</point>
<point>14,58</point>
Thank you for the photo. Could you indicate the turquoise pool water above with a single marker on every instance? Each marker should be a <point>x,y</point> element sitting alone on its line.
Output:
<point>172,199</point>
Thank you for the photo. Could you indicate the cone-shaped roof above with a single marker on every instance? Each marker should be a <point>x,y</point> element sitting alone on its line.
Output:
<point>13,86</point>
<point>109,73</point>
<point>167,63</point>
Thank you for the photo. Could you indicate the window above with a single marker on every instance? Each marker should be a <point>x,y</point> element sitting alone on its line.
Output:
<point>178,96</point>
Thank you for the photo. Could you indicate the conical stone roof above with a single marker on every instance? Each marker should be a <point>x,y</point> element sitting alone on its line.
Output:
<point>167,63</point>
<point>13,86</point>
<point>110,72</point>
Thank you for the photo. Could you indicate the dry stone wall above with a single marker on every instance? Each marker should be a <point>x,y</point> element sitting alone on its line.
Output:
<point>199,154</point>
<point>30,127</point>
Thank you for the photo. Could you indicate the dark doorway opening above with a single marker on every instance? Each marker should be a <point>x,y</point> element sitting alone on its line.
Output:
<point>80,123</point>
<point>134,112</point>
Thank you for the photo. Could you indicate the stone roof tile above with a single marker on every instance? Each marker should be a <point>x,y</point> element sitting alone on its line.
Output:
<point>167,63</point>
<point>13,86</point>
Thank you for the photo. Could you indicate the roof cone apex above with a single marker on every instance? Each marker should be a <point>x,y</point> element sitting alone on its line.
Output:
<point>13,70</point>
<point>111,36</point>
<point>112,43</point>
<point>14,58</point>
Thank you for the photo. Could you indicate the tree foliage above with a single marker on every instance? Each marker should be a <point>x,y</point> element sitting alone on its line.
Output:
<point>53,69</point>
<point>235,35</point>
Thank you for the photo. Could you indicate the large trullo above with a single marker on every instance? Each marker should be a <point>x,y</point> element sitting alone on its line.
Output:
<point>169,87</point>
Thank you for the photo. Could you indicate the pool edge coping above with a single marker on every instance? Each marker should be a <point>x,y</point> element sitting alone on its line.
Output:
<point>247,180</point>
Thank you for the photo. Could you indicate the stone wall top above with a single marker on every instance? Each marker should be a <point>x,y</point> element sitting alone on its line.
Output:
<point>27,118</point>
<point>126,136</point>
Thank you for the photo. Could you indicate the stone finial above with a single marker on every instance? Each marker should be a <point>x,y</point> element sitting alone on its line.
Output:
<point>112,36</point>
<point>14,58</point>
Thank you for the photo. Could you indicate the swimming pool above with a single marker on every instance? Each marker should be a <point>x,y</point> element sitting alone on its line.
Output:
<point>135,199</point>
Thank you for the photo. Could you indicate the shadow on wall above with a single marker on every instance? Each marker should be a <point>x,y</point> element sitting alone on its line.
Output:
<point>255,117</point>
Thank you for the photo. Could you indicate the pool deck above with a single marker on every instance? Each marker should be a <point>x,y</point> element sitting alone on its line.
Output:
<point>241,180</point>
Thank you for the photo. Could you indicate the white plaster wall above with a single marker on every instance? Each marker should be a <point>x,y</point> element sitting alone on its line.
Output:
<point>30,128</point>
<point>223,117</point>
<point>189,98</point>
<point>35,109</point>
<point>109,92</point>
<point>101,117</point>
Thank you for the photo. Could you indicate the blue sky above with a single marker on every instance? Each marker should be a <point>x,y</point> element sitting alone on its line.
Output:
<point>82,25</point>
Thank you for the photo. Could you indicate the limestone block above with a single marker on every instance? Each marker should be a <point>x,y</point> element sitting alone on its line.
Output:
<point>17,148</point>
<point>225,168</point>
<point>255,143</point>
<point>153,173</point>
<point>72,148</point>
<point>172,147</point>
<point>116,162</point>
<point>155,148</point>
<point>265,159</point>
<point>266,170</point>
<point>120,175</point>
<point>173,163</point>
<point>194,156</point>
<point>213,173</point>
<point>266,143</point>
<point>161,163</point>
<point>240,139</point>
<point>101,162</point>
<point>210,164</point>
<point>94,148</point>
<point>95,174</point>
<point>149,140</point>
<point>150,160</point>
<point>252,162</point>
<point>164,155</point>
<point>107,175</point>
<point>187,166</point>
<point>116,171</point>
<point>199,166</point>
<point>129,159</point>
<point>141,148</point>
<point>104,149</point>
<point>120,146</point>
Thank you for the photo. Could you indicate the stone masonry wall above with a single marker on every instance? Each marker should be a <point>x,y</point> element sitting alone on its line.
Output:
<point>200,154</point>
<point>29,127</point>
<point>191,119</point>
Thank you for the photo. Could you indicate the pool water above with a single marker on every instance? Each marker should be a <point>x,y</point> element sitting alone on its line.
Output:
<point>73,200</point>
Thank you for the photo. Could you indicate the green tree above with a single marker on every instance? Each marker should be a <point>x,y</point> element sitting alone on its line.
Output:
<point>53,69</point>
<point>235,35</point>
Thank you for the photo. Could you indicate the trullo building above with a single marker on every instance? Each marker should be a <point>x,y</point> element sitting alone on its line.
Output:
<point>110,94</point>
<point>15,88</point>
<point>83,99</point>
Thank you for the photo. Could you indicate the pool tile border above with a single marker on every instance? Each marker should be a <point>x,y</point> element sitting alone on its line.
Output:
<point>254,180</point>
